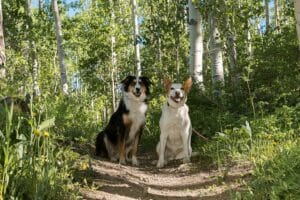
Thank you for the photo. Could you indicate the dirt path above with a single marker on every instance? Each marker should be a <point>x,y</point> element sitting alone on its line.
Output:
<point>175,181</point>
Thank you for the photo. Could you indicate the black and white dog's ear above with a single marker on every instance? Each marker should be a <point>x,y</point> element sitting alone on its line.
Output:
<point>127,80</point>
<point>146,80</point>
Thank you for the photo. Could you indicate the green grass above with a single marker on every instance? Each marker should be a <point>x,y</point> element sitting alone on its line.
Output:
<point>32,164</point>
<point>271,144</point>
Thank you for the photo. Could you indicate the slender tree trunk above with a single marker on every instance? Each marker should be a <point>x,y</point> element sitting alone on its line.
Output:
<point>32,51</point>
<point>2,46</point>
<point>267,15</point>
<point>113,56</point>
<point>276,15</point>
<point>136,39</point>
<point>216,56</point>
<point>249,43</point>
<point>177,64</point>
<point>196,45</point>
<point>159,51</point>
<point>233,62</point>
<point>231,50</point>
<point>41,5</point>
<point>177,45</point>
<point>60,49</point>
<point>297,14</point>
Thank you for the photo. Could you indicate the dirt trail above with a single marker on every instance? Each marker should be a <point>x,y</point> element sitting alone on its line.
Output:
<point>175,181</point>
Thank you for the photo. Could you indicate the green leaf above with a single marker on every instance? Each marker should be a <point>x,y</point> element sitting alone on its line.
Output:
<point>46,124</point>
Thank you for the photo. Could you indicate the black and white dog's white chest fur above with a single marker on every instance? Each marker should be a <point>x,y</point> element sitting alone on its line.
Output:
<point>119,140</point>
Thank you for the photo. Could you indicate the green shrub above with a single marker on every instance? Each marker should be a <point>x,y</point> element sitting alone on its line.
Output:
<point>278,177</point>
<point>34,167</point>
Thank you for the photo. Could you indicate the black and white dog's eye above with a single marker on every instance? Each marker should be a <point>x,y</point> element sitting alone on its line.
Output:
<point>172,88</point>
<point>181,88</point>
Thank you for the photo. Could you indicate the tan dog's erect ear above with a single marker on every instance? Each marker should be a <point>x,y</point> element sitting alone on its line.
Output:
<point>187,85</point>
<point>167,83</point>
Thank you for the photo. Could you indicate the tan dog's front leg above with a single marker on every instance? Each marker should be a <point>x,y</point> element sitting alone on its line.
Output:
<point>161,150</point>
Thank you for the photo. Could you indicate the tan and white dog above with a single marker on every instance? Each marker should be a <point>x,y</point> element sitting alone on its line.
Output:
<point>175,125</point>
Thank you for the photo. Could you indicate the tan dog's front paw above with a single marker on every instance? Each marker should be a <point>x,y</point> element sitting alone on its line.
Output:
<point>160,164</point>
<point>186,160</point>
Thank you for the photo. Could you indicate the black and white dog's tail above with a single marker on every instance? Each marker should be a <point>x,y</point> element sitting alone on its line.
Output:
<point>100,145</point>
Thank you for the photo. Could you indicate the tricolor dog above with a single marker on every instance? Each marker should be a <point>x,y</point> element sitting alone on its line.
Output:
<point>175,124</point>
<point>120,139</point>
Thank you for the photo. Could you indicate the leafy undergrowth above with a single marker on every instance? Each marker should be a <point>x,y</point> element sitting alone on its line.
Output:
<point>38,160</point>
<point>271,144</point>
<point>32,164</point>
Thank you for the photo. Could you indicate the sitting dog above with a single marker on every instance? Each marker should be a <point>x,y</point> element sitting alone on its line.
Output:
<point>120,138</point>
<point>175,125</point>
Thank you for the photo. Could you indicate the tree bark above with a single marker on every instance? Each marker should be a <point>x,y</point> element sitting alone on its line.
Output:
<point>276,15</point>
<point>2,46</point>
<point>267,15</point>
<point>136,39</point>
<point>297,14</point>
<point>32,51</point>
<point>60,49</point>
<point>41,5</point>
<point>249,43</point>
<point>216,56</point>
<point>113,56</point>
<point>196,45</point>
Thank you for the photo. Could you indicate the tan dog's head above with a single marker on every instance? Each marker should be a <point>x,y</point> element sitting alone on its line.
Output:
<point>177,92</point>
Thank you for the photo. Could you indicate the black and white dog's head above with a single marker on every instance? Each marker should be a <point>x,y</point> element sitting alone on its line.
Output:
<point>136,88</point>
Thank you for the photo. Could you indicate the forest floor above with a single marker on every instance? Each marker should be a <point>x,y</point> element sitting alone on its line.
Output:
<point>111,181</point>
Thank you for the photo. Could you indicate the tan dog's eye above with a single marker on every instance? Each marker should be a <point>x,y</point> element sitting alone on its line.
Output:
<point>172,88</point>
<point>181,88</point>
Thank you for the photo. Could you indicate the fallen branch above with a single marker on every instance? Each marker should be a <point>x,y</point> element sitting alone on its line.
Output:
<point>200,135</point>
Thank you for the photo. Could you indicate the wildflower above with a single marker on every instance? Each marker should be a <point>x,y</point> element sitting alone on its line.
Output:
<point>37,132</point>
<point>46,134</point>
<point>84,166</point>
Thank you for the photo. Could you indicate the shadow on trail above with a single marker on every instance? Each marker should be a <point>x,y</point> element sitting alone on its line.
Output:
<point>175,181</point>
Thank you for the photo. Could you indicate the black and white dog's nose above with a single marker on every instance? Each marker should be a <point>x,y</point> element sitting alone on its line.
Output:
<point>137,89</point>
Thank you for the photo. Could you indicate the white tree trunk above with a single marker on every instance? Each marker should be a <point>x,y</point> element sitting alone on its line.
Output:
<point>60,49</point>
<point>136,39</point>
<point>267,15</point>
<point>216,56</point>
<point>2,46</point>
<point>113,56</point>
<point>196,45</point>
<point>32,52</point>
<point>297,14</point>
<point>249,42</point>
<point>276,15</point>
<point>41,5</point>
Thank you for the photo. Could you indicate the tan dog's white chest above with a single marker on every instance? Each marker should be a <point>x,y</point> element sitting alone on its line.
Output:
<point>174,123</point>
